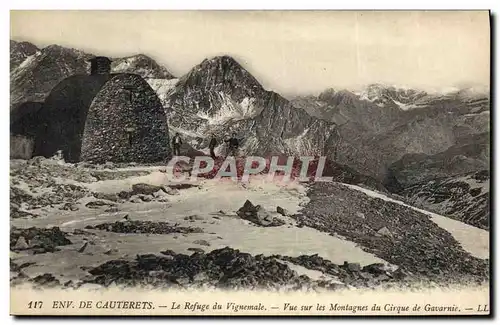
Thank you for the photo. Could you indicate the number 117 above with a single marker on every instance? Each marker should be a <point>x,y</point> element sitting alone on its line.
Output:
<point>35,304</point>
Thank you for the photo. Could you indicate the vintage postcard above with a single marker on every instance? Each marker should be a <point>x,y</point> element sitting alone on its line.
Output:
<point>321,163</point>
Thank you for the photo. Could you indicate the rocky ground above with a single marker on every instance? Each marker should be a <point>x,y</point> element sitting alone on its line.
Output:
<point>79,226</point>
<point>402,236</point>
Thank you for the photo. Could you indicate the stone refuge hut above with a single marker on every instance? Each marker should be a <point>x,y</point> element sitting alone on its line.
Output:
<point>97,118</point>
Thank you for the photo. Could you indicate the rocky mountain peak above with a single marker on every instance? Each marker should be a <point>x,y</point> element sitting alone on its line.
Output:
<point>221,60</point>
<point>222,73</point>
<point>142,65</point>
<point>27,47</point>
<point>57,50</point>
<point>20,51</point>
<point>335,98</point>
<point>383,95</point>
<point>326,94</point>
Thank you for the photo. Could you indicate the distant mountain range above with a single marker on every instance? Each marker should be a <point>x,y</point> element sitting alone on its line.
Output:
<point>398,136</point>
<point>382,125</point>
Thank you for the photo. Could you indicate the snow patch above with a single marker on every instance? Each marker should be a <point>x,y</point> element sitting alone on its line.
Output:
<point>477,114</point>
<point>114,186</point>
<point>473,183</point>
<point>230,110</point>
<point>27,62</point>
<point>248,109</point>
<point>404,106</point>
<point>299,143</point>
<point>123,65</point>
<point>162,87</point>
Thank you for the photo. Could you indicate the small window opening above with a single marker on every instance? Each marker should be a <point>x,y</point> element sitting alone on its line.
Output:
<point>130,90</point>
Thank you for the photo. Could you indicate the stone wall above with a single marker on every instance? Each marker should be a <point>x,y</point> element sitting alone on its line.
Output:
<point>21,147</point>
<point>126,122</point>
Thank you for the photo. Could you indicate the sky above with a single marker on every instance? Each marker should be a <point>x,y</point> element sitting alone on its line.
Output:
<point>290,52</point>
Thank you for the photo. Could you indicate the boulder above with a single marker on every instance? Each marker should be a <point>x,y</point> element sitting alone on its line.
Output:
<point>282,211</point>
<point>112,209</point>
<point>201,277</point>
<point>353,267</point>
<point>201,242</point>
<point>196,250</point>
<point>135,199</point>
<point>69,207</point>
<point>182,186</point>
<point>106,196</point>
<point>82,249</point>
<point>146,189</point>
<point>21,243</point>
<point>43,239</point>
<point>125,195</point>
<point>378,268</point>
<point>194,217</point>
<point>170,191</point>
<point>169,252</point>
<point>36,161</point>
<point>384,232</point>
<point>97,204</point>
<point>159,194</point>
<point>145,198</point>
<point>46,279</point>
<point>258,215</point>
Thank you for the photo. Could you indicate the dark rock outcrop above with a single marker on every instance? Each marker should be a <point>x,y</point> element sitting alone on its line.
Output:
<point>258,215</point>
<point>222,268</point>
<point>98,204</point>
<point>146,189</point>
<point>40,240</point>
<point>144,227</point>
<point>228,268</point>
